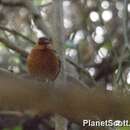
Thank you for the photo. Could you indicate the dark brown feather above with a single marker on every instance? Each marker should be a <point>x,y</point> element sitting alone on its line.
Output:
<point>43,63</point>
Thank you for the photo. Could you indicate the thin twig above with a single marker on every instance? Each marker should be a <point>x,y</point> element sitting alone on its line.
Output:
<point>81,69</point>
<point>16,33</point>
<point>125,24</point>
<point>10,45</point>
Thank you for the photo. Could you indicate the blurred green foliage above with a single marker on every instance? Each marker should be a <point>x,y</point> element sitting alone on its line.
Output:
<point>39,2</point>
<point>124,128</point>
<point>18,128</point>
<point>15,128</point>
<point>107,45</point>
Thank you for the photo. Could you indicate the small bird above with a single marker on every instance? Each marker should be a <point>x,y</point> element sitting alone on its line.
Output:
<point>42,62</point>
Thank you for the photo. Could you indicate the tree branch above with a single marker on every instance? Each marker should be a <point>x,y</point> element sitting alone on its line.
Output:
<point>40,23</point>
<point>125,24</point>
<point>10,45</point>
<point>11,3</point>
<point>70,100</point>
<point>35,12</point>
<point>16,33</point>
<point>58,36</point>
<point>81,69</point>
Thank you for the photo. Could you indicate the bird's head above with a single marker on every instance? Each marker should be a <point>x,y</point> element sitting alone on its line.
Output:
<point>44,41</point>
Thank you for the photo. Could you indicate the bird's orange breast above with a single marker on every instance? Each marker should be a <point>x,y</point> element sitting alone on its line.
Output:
<point>43,63</point>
